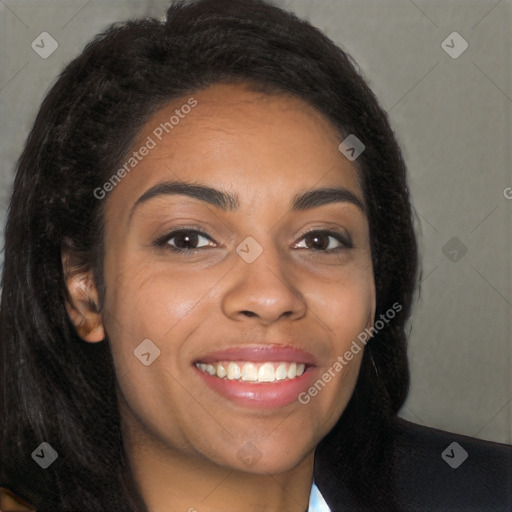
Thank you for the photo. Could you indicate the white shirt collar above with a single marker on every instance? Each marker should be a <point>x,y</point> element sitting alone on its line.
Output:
<point>316,501</point>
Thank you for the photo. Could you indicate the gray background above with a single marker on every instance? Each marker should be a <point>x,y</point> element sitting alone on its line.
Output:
<point>453,120</point>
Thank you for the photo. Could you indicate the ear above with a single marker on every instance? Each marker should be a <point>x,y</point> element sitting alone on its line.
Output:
<point>82,303</point>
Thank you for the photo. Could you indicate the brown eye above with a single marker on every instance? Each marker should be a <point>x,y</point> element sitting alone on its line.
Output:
<point>186,240</point>
<point>324,241</point>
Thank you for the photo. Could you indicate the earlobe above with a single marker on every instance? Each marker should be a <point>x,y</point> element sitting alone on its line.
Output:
<point>82,307</point>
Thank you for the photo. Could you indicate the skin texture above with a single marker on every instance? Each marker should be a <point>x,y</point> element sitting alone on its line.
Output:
<point>181,437</point>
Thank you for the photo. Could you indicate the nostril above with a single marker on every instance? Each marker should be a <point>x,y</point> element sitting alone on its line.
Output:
<point>249,313</point>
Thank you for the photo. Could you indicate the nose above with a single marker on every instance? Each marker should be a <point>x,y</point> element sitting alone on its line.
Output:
<point>264,290</point>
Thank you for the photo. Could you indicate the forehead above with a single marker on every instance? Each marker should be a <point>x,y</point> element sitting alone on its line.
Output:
<point>235,138</point>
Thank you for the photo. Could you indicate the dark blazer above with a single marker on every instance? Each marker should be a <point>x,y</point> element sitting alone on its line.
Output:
<point>429,473</point>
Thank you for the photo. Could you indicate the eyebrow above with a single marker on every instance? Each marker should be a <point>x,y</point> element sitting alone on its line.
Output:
<point>226,201</point>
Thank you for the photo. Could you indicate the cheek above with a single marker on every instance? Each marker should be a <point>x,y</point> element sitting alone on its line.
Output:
<point>155,312</point>
<point>346,307</point>
<point>345,304</point>
<point>150,301</point>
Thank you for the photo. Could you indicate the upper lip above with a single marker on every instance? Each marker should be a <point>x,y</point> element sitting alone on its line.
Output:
<point>259,353</point>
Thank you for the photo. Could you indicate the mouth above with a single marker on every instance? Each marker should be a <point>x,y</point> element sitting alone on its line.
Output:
<point>261,376</point>
<point>247,371</point>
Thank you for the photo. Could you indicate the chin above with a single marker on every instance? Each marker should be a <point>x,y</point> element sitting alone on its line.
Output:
<point>269,466</point>
<point>271,458</point>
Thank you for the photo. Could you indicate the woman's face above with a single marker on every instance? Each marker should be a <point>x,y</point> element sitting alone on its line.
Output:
<point>252,272</point>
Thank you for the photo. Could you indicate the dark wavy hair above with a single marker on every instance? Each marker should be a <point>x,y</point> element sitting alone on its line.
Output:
<point>61,390</point>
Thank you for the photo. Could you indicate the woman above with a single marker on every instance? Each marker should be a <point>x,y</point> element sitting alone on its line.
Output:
<point>209,262</point>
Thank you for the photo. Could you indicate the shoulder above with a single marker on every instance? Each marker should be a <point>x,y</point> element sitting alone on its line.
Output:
<point>9,502</point>
<point>424,439</point>
<point>429,469</point>
<point>438,470</point>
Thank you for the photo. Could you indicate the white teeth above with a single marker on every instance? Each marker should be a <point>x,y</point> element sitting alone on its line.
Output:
<point>281,372</point>
<point>221,371</point>
<point>266,373</point>
<point>234,371</point>
<point>210,369</point>
<point>249,372</point>
<point>254,372</point>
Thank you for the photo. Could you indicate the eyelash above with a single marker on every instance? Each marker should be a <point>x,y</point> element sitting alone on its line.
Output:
<point>163,241</point>
<point>343,239</point>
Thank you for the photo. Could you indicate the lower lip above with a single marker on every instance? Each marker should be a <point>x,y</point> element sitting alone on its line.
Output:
<point>259,395</point>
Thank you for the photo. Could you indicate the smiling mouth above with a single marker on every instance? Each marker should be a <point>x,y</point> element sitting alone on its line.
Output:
<point>254,372</point>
